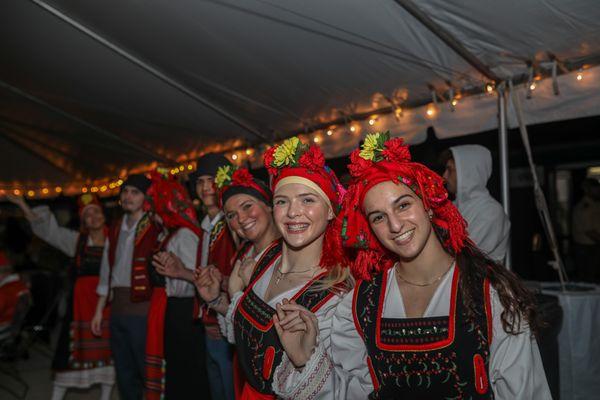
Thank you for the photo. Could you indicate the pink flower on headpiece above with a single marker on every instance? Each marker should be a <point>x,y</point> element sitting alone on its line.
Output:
<point>241,177</point>
<point>358,165</point>
<point>396,151</point>
<point>312,159</point>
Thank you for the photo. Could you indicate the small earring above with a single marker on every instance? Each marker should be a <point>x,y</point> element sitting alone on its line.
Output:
<point>430,215</point>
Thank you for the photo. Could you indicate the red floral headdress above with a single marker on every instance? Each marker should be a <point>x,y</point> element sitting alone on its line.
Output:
<point>169,199</point>
<point>229,177</point>
<point>382,159</point>
<point>294,158</point>
<point>88,200</point>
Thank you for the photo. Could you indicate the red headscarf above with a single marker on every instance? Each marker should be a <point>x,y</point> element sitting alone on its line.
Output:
<point>382,159</point>
<point>169,199</point>
<point>295,159</point>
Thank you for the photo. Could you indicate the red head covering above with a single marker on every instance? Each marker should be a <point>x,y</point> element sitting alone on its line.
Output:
<point>169,199</point>
<point>382,159</point>
<point>231,181</point>
<point>295,159</point>
<point>88,200</point>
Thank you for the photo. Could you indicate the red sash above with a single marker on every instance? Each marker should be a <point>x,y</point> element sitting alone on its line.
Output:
<point>155,355</point>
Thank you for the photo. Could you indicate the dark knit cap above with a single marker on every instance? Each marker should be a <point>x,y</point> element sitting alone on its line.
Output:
<point>138,181</point>
<point>208,165</point>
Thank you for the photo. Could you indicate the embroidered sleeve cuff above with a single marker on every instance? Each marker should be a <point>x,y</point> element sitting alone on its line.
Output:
<point>289,383</point>
<point>227,323</point>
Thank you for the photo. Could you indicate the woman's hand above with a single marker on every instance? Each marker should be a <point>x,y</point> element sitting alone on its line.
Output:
<point>235,284</point>
<point>97,324</point>
<point>208,282</point>
<point>168,264</point>
<point>297,329</point>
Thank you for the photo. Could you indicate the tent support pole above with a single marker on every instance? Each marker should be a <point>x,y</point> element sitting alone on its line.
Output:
<point>151,69</point>
<point>503,147</point>
<point>447,38</point>
<point>80,121</point>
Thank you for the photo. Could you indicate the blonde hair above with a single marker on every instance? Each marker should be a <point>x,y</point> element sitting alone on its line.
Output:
<point>339,280</point>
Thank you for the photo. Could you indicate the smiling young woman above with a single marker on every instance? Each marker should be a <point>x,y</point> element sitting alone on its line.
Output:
<point>302,271</point>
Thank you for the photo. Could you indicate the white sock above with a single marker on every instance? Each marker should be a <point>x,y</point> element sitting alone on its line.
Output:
<point>58,392</point>
<point>105,391</point>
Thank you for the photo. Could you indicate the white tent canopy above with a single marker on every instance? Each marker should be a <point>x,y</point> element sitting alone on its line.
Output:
<point>89,90</point>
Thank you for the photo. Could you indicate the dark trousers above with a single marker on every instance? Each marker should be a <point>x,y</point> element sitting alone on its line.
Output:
<point>128,346</point>
<point>185,352</point>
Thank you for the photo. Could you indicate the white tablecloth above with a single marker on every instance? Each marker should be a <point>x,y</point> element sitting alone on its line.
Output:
<point>579,342</point>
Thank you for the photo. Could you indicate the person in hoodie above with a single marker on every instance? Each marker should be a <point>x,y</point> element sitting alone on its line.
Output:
<point>468,169</point>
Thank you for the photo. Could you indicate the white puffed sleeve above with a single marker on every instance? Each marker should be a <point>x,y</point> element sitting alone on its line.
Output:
<point>316,379</point>
<point>226,321</point>
<point>46,228</point>
<point>516,370</point>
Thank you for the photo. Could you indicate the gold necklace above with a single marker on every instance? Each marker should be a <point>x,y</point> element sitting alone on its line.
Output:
<point>281,275</point>
<point>427,283</point>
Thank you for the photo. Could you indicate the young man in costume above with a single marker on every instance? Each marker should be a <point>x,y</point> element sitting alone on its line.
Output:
<point>124,278</point>
<point>81,359</point>
<point>216,248</point>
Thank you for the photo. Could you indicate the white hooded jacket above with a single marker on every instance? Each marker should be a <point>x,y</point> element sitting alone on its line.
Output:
<point>488,225</point>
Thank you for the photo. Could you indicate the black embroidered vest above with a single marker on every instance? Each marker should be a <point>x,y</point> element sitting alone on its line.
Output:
<point>425,358</point>
<point>87,258</point>
<point>258,347</point>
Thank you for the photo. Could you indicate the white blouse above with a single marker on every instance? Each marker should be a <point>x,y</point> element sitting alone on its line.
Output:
<point>515,367</point>
<point>284,370</point>
<point>184,244</point>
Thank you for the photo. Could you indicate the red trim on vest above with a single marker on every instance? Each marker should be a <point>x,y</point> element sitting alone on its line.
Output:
<point>268,363</point>
<point>415,347</point>
<point>372,373</point>
<point>145,242</point>
<point>488,309</point>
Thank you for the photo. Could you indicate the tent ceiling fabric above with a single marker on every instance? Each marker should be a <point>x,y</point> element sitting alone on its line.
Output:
<point>274,65</point>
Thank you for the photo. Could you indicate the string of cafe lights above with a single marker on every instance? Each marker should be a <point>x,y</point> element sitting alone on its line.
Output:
<point>352,124</point>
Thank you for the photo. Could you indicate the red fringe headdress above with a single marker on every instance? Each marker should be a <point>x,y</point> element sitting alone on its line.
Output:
<point>170,200</point>
<point>295,159</point>
<point>383,159</point>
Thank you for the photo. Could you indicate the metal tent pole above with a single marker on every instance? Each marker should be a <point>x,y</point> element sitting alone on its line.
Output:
<point>503,150</point>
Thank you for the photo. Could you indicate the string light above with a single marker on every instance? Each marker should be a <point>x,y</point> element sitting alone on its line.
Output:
<point>119,182</point>
<point>234,157</point>
<point>58,189</point>
<point>489,88</point>
<point>316,139</point>
<point>430,110</point>
<point>372,120</point>
<point>249,152</point>
<point>329,132</point>
<point>352,128</point>
<point>45,190</point>
<point>84,190</point>
<point>580,75</point>
<point>181,167</point>
<point>111,185</point>
<point>190,167</point>
<point>31,193</point>
<point>532,86</point>
<point>103,188</point>
<point>17,192</point>
<point>454,102</point>
<point>94,189</point>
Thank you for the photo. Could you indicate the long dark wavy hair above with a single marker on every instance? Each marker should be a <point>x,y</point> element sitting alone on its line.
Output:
<point>517,300</point>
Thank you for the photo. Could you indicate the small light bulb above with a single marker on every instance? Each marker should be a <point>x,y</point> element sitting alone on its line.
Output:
<point>190,167</point>
<point>248,152</point>
<point>31,193</point>
<point>17,192</point>
<point>489,88</point>
<point>371,122</point>
<point>429,112</point>
<point>94,189</point>
<point>579,76</point>
<point>532,86</point>
<point>103,188</point>
<point>353,128</point>
<point>454,102</point>
<point>329,132</point>
<point>45,190</point>
<point>234,157</point>
<point>119,182</point>
<point>84,190</point>
<point>181,167</point>
<point>316,139</point>
<point>58,189</point>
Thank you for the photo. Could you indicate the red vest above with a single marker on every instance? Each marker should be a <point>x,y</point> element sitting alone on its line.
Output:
<point>220,252</point>
<point>146,235</point>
